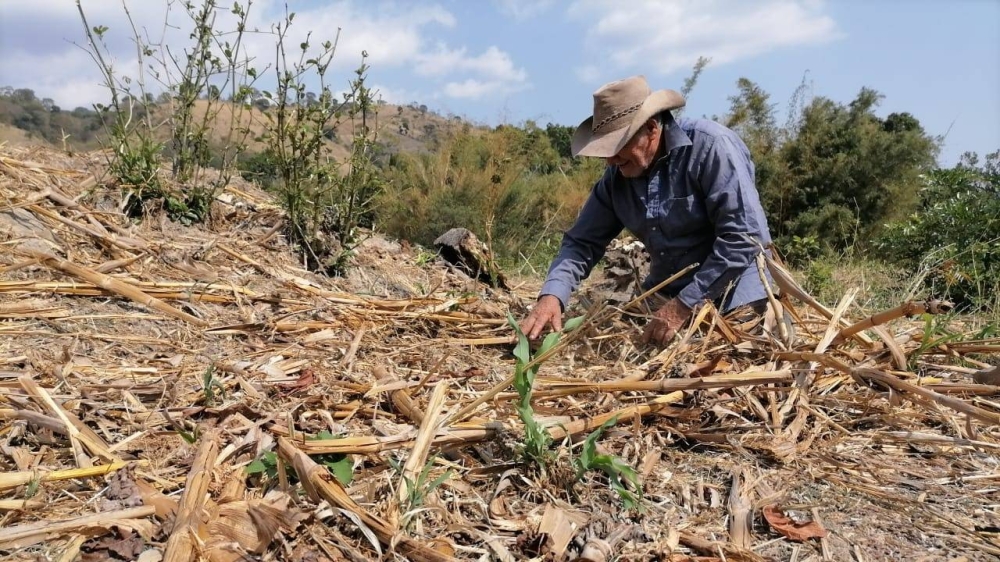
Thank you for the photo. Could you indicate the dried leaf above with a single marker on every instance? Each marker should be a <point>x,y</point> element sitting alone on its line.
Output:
<point>788,528</point>
<point>126,546</point>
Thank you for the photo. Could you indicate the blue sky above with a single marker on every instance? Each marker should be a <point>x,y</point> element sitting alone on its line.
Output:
<point>508,61</point>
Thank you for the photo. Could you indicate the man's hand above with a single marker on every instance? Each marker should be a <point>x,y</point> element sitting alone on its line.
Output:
<point>665,322</point>
<point>547,311</point>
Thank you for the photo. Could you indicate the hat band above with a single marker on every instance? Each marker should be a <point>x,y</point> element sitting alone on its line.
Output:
<point>616,116</point>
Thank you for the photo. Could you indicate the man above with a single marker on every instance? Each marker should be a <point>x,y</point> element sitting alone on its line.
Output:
<point>684,187</point>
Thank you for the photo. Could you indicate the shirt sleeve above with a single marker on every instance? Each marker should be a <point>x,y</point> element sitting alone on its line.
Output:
<point>733,205</point>
<point>584,244</point>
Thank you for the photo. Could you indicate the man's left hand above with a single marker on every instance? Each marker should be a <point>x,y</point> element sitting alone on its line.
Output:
<point>665,322</point>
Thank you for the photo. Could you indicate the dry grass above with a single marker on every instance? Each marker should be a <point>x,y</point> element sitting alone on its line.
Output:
<point>882,436</point>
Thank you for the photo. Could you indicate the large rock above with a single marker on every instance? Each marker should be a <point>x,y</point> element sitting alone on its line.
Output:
<point>460,247</point>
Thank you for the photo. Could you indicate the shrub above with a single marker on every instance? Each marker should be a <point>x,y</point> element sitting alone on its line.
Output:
<point>954,236</point>
<point>212,64</point>
<point>324,200</point>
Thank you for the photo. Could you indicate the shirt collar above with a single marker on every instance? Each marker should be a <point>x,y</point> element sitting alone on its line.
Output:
<point>674,136</point>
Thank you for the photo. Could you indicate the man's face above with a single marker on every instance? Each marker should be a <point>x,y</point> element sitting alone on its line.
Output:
<point>637,155</point>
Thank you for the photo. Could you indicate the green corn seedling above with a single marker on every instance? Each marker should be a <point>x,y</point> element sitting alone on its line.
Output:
<point>536,448</point>
<point>619,472</point>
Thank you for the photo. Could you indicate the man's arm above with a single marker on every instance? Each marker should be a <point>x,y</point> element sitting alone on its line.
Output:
<point>734,207</point>
<point>583,245</point>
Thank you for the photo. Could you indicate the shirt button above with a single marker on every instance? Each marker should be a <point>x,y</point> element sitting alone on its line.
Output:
<point>654,228</point>
<point>661,253</point>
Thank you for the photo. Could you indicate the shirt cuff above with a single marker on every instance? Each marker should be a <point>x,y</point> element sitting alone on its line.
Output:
<point>690,296</point>
<point>559,289</point>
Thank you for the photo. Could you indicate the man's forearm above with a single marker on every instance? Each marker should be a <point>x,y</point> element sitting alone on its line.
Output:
<point>730,257</point>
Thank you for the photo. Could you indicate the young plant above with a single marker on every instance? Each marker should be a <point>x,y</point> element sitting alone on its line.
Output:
<point>418,491</point>
<point>209,384</point>
<point>133,158</point>
<point>536,448</point>
<point>339,465</point>
<point>935,333</point>
<point>620,474</point>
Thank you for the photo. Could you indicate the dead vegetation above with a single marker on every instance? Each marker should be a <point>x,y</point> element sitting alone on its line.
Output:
<point>181,393</point>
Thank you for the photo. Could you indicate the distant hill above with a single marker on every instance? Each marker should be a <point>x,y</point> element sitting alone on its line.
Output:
<point>26,119</point>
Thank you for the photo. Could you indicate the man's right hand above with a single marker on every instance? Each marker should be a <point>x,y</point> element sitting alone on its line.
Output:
<point>547,311</point>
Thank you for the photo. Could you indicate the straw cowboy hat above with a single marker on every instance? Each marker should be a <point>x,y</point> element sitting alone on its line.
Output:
<point>620,109</point>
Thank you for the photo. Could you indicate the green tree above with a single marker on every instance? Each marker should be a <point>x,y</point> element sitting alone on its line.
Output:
<point>953,236</point>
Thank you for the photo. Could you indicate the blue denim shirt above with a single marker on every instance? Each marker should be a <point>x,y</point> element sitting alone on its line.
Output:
<point>693,206</point>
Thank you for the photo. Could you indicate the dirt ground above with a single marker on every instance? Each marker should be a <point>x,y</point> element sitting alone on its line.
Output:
<point>173,392</point>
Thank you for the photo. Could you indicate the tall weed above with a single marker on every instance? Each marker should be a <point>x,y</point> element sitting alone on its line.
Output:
<point>214,63</point>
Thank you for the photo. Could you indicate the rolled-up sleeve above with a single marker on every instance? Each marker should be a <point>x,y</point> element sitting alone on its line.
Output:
<point>732,203</point>
<point>584,244</point>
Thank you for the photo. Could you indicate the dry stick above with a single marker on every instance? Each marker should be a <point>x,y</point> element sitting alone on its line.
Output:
<point>18,265</point>
<point>106,238</point>
<point>10,480</point>
<point>727,381</point>
<point>182,542</point>
<point>898,355</point>
<point>109,266</point>
<point>599,316</point>
<point>926,395</point>
<point>77,438</point>
<point>400,398</point>
<point>41,420</point>
<point>914,391</point>
<point>696,543</point>
<point>418,454</point>
<point>76,524</point>
<point>60,198</point>
<point>348,359</point>
<point>318,484</point>
<point>20,505</point>
<point>376,444</point>
<point>623,415</point>
<point>904,310</point>
<point>787,284</point>
<point>782,328</point>
<point>739,513</point>
<point>915,437</point>
<point>115,286</point>
<point>598,549</point>
<point>465,435</point>
<point>799,396</point>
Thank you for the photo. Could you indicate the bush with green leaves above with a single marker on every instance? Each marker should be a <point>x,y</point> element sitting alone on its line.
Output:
<point>213,65</point>
<point>325,200</point>
<point>505,184</point>
<point>954,235</point>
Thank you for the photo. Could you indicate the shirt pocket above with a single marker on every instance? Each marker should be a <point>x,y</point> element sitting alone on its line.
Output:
<point>683,218</point>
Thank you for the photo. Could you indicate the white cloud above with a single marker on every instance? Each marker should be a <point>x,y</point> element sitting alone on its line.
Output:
<point>470,88</point>
<point>664,36</point>
<point>492,63</point>
<point>36,39</point>
<point>524,9</point>
<point>476,89</point>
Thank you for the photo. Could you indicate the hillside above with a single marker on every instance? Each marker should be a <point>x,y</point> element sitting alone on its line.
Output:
<point>401,128</point>
<point>180,392</point>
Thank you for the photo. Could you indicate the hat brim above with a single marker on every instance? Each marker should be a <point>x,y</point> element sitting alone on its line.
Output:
<point>606,145</point>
